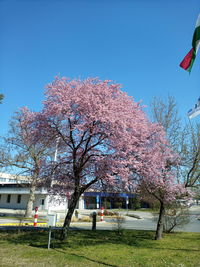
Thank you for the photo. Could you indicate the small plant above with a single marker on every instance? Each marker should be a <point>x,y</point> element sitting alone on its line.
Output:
<point>76,214</point>
<point>82,219</point>
<point>119,220</point>
<point>20,225</point>
<point>74,219</point>
<point>85,219</point>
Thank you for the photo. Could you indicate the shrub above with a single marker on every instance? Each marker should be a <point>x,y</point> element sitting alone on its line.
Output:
<point>119,220</point>
<point>175,217</point>
<point>108,213</point>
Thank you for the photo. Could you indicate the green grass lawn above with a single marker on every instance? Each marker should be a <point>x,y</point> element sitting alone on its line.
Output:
<point>100,248</point>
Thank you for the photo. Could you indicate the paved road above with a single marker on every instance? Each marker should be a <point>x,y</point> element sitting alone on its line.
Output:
<point>147,221</point>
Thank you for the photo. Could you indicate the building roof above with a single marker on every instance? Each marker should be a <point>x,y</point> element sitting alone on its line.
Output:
<point>6,178</point>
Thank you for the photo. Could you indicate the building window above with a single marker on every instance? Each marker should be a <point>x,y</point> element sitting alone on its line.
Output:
<point>8,198</point>
<point>19,197</point>
<point>42,201</point>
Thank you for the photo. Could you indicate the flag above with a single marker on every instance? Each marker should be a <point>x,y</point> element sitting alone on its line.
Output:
<point>192,113</point>
<point>188,60</point>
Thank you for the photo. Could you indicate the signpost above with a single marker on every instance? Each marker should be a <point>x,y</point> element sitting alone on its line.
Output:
<point>51,221</point>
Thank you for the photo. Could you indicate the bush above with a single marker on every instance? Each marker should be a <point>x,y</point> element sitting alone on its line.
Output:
<point>85,219</point>
<point>136,203</point>
<point>175,217</point>
<point>81,219</point>
<point>119,220</point>
<point>108,213</point>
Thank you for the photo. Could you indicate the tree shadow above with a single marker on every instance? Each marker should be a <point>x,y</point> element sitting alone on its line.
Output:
<point>87,258</point>
<point>92,260</point>
<point>82,238</point>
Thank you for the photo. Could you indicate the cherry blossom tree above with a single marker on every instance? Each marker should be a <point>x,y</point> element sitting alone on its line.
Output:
<point>101,131</point>
<point>159,181</point>
<point>101,135</point>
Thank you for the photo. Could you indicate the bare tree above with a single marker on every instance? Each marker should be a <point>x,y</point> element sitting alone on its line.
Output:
<point>184,138</point>
<point>165,112</point>
<point>190,154</point>
<point>24,155</point>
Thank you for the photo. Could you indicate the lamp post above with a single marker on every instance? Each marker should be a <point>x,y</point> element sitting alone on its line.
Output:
<point>55,159</point>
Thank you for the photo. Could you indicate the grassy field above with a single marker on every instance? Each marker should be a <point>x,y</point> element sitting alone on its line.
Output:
<point>100,248</point>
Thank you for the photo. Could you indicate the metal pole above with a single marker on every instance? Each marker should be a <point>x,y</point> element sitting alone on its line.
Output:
<point>49,241</point>
<point>127,202</point>
<point>55,159</point>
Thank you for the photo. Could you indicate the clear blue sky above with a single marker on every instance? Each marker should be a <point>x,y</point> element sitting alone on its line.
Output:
<point>137,43</point>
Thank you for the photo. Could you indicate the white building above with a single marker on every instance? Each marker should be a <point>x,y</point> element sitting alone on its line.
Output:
<point>14,194</point>
<point>15,190</point>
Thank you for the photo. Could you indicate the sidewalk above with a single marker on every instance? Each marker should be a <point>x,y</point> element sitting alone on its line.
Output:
<point>18,213</point>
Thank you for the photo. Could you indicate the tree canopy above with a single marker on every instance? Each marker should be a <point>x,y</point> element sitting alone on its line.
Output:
<point>99,133</point>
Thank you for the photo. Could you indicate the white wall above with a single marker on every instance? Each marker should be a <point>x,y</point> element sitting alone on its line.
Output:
<point>13,201</point>
<point>55,204</point>
<point>23,203</point>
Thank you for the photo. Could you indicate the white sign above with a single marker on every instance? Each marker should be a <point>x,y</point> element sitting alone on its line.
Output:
<point>192,113</point>
<point>51,219</point>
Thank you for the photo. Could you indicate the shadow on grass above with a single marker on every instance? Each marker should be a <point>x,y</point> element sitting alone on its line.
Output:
<point>87,258</point>
<point>95,261</point>
<point>81,238</point>
<point>78,238</point>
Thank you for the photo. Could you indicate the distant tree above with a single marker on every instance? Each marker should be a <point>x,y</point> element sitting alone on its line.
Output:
<point>160,184</point>
<point>165,113</point>
<point>190,154</point>
<point>184,138</point>
<point>103,136</point>
<point>24,152</point>
<point>1,98</point>
<point>185,141</point>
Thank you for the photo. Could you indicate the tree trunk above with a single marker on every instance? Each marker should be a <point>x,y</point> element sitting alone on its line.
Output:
<point>160,223</point>
<point>72,206</point>
<point>29,207</point>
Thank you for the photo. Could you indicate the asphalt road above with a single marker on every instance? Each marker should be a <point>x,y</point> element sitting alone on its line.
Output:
<point>147,221</point>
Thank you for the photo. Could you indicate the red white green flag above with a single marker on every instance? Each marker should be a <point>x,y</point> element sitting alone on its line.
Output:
<point>188,60</point>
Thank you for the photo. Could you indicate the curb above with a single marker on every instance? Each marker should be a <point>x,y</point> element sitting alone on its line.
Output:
<point>21,224</point>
